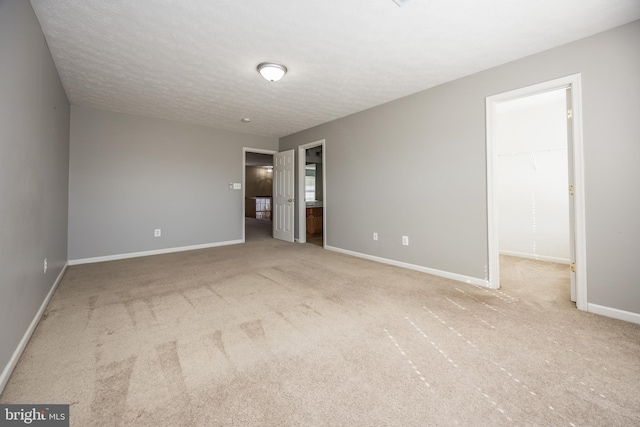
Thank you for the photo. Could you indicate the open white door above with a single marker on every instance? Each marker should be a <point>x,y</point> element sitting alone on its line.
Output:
<point>571,190</point>
<point>283,195</point>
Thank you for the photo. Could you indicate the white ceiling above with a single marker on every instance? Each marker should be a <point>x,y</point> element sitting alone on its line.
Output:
<point>195,60</point>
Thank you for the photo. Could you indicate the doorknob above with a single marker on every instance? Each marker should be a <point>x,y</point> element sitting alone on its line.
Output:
<point>292,200</point>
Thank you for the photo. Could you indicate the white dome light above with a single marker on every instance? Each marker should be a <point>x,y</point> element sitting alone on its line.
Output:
<point>272,72</point>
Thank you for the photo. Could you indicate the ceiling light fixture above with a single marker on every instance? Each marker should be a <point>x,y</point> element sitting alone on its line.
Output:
<point>271,71</point>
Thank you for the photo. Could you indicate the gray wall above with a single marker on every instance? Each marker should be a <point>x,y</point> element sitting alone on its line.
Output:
<point>34,171</point>
<point>130,175</point>
<point>417,166</point>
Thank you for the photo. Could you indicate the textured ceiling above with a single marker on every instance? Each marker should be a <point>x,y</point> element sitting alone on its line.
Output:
<point>195,60</point>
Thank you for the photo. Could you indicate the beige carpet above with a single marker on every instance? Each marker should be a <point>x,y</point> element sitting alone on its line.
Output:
<point>273,333</point>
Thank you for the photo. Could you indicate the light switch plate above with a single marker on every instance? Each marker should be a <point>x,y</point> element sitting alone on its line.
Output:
<point>237,186</point>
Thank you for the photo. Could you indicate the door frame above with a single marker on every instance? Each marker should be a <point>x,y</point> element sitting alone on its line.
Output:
<point>246,150</point>
<point>302,211</point>
<point>578,221</point>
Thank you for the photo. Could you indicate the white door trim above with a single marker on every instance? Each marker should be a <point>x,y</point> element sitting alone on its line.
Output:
<point>302,212</point>
<point>573,81</point>
<point>246,150</point>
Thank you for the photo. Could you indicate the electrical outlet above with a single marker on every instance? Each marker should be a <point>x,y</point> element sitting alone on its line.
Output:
<point>405,240</point>
<point>375,236</point>
<point>45,266</point>
<point>157,232</point>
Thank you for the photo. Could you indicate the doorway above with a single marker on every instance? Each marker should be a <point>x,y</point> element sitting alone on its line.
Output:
<point>531,158</point>
<point>257,187</point>
<point>532,200</point>
<point>312,211</point>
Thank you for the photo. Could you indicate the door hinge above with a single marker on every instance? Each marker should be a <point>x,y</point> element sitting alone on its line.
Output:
<point>569,114</point>
<point>573,267</point>
<point>571,190</point>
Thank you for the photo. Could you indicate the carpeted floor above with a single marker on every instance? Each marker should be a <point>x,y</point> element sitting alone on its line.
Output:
<point>273,333</point>
<point>259,229</point>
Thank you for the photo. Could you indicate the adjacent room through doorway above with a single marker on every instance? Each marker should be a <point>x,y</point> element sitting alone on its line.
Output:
<point>258,192</point>
<point>314,195</point>
<point>532,199</point>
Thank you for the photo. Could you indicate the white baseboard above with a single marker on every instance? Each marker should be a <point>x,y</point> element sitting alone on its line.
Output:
<point>6,372</point>
<point>149,253</point>
<point>536,257</point>
<point>432,271</point>
<point>614,312</point>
